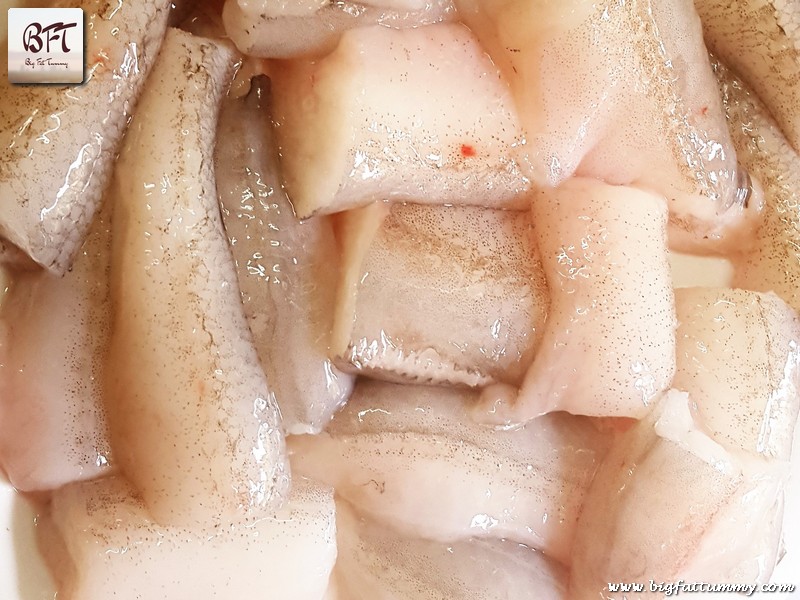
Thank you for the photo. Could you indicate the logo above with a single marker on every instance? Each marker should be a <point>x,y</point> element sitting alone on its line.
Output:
<point>45,45</point>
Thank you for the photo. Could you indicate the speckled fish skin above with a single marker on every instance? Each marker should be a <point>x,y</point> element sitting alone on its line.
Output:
<point>609,340</point>
<point>773,263</point>
<point>411,457</point>
<point>193,423</point>
<point>58,144</point>
<point>669,503</point>
<point>760,40</point>
<point>738,355</point>
<point>287,269</point>
<point>101,543</point>
<point>53,427</point>
<point>376,563</point>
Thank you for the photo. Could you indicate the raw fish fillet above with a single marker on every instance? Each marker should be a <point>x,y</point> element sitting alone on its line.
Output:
<point>413,114</point>
<point>435,294</point>
<point>608,347</point>
<point>739,358</point>
<point>194,425</point>
<point>287,269</point>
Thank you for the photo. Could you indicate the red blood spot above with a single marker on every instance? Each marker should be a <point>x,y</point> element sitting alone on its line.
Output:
<point>704,110</point>
<point>467,150</point>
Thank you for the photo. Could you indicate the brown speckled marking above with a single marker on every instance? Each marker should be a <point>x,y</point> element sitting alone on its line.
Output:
<point>193,422</point>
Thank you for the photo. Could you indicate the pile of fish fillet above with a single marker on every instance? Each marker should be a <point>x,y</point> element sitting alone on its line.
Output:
<point>311,300</point>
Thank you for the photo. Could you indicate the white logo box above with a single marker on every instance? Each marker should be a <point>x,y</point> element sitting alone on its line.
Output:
<point>45,45</point>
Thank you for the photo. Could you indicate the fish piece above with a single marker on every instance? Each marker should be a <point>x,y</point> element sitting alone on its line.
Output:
<point>669,503</point>
<point>287,269</point>
<point>386,116</point>
<point>315,34</point>
<point>53,427</point>
<point>411,457</point>
<point>375,563</point>
<point>58,143</point>
<point>760,40</point>
<point>435,294</point>
<point>773,263</point>
<point>193,424</point>
<point>608,346</point>
<point>622,92</point>
<point>738,354</point>
<point>110,547</point>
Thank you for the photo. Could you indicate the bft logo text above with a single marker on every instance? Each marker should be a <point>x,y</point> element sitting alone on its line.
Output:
<point>45,45</point>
